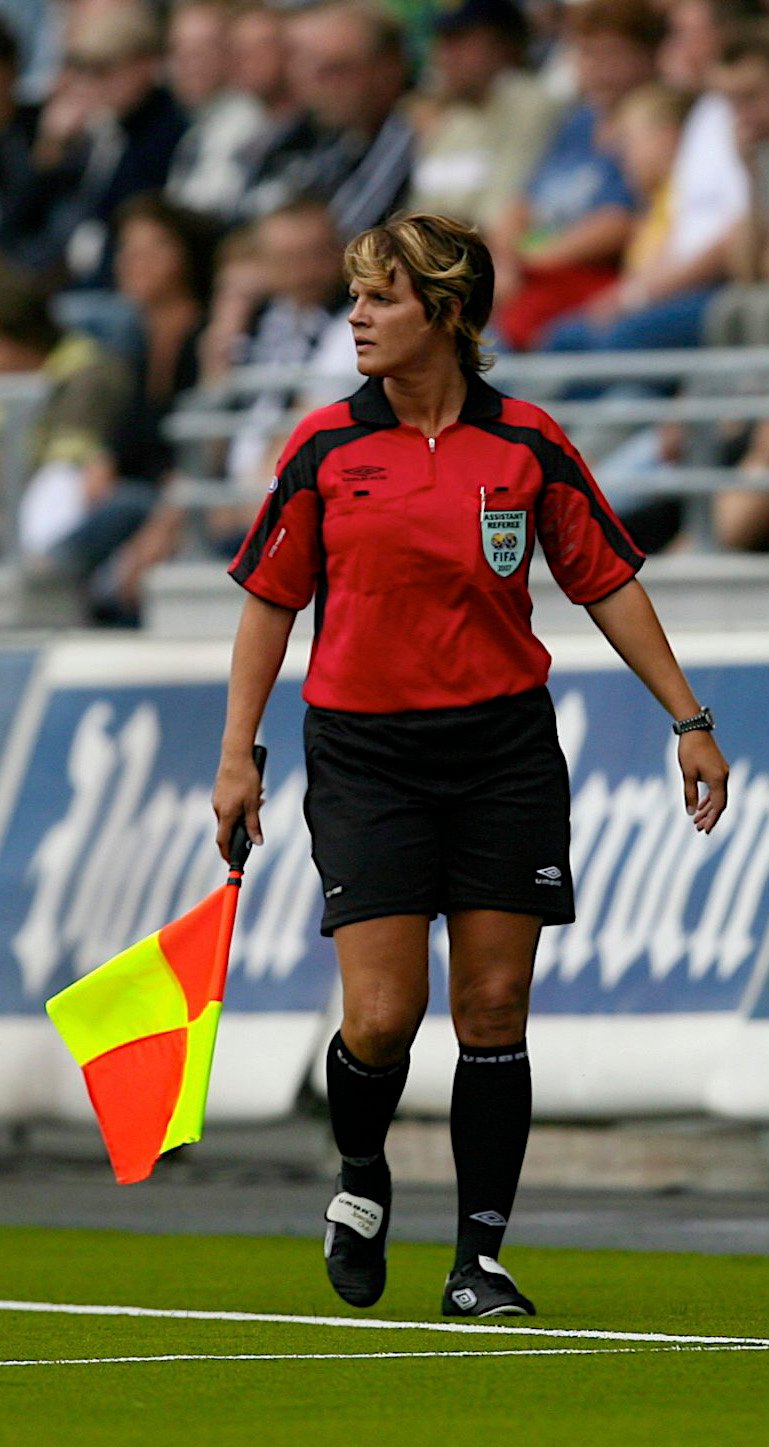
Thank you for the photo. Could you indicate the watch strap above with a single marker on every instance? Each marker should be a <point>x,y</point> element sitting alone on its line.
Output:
<point>703,719</point>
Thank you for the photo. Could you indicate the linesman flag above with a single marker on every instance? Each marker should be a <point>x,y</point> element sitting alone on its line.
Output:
<point>142,1027</point>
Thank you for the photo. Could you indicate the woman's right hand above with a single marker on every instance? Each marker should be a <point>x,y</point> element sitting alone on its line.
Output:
<point>237,790</point>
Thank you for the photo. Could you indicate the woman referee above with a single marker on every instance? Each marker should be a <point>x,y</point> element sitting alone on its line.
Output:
<point>435,779</point>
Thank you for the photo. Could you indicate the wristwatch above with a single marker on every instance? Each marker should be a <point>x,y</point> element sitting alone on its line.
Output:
<point>702,720</point>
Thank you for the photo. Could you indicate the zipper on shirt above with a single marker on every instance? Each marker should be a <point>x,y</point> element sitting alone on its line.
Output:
<point>431,450</point>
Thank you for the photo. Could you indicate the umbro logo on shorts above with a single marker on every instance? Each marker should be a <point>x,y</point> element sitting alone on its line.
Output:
<point>335,889</point>
<point>489,1218</point>
<point>551,874</point>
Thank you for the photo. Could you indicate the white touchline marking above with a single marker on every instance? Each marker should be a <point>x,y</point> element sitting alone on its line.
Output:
<point>327,1356</point>
<point>371,1323</point>
<point>367,1356</point>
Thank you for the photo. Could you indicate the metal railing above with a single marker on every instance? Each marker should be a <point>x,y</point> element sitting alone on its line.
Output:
<point>710,387</point>
<point>714,386</point>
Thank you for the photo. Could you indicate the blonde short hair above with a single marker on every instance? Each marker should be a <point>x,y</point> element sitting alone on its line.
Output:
<point>445,262</point>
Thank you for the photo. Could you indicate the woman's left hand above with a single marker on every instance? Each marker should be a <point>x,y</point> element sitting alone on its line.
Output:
<point>701,761</point>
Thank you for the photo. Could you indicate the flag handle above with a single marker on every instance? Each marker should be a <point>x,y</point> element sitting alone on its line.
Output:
<point>240,842</point>
<point>240,848</point>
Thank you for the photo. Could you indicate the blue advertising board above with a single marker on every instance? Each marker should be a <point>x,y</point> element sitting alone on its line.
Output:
<point>110,834</point>
<point>106,833</point>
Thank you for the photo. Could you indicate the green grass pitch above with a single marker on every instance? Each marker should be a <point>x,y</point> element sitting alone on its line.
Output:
<point>229,1381</point>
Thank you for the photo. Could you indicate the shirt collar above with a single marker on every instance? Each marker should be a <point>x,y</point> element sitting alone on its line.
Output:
<point>370,405</point>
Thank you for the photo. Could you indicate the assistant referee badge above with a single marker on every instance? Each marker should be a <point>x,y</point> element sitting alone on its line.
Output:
<point>503,535</point>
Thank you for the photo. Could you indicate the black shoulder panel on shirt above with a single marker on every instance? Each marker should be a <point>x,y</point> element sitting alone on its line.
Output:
<point>299,473</point>
<point>558,466</point>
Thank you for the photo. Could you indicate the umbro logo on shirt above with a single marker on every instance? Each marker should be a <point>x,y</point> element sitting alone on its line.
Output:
<point>363,473</point>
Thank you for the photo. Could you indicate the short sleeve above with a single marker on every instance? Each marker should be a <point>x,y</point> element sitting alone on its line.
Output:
<point>279,559</point>
<point>589,552</point>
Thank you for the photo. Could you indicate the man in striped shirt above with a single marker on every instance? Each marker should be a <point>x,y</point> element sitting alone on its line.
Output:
<point>350,145</point>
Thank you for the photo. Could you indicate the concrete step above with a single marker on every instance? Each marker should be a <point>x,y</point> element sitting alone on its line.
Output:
<point>694,591</point>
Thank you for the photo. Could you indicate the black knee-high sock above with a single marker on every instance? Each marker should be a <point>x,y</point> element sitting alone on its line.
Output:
<point>362,1100</point>
<point>490,1119</point>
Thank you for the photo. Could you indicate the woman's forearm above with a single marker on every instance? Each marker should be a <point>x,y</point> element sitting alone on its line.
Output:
<point>628,620</point>
<point>260,646</point>
<point>258,652</point>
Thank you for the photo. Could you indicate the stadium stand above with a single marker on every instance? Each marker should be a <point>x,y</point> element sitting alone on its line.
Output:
<point>700,586</point>
<point>673,435</point>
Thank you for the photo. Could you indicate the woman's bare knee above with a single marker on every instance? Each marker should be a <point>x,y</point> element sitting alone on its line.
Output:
<point>377,1038</point>
<point>492,960</point>
<point>383,963</point>
<point>491,1016</point>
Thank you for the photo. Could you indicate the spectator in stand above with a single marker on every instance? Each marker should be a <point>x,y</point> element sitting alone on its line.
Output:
<point>17,129</point>
<point>712,183</point>
<point>561,242</point>
<point>351,144</point>
<point>241,281</point>
<point>163,263</point>
<point>296,257</point>
<point>88,390</point>
<point>37,26</point>
<point>229,71</point>
<point>258,51</point>
<point>709,179</point>
<point>662,292</point>
<point>301,259</point>
<point>648,134</point>
<point>549,51</point>
<point>465,164</point>
<point>741,315</point>
<point>108,133</point>
<point>648,129</point>
<point>742,77</point>
<point>665,304</point>
<point>697,32</point>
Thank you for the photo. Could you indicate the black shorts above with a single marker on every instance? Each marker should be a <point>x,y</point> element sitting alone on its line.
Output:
<point>427,812</point>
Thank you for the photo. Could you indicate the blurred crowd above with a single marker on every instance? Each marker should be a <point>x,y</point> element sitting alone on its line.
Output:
<point>178,179</point>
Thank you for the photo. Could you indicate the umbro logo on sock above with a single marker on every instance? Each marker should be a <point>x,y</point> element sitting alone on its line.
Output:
<point>489,1218</point>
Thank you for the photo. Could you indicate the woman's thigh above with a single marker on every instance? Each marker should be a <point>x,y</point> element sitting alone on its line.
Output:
<point>384,969</point>
<point>491,965</point>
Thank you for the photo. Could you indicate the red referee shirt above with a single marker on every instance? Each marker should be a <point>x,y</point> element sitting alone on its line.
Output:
<point>418,549</point>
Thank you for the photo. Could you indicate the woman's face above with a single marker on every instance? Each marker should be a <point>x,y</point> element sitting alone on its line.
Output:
<point>391,332</point>
<point>150,262</point>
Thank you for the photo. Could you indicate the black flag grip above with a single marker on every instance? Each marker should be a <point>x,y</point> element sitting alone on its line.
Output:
<point>240,842</point>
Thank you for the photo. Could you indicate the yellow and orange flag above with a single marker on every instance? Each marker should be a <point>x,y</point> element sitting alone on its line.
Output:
<point>142,1027</point>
